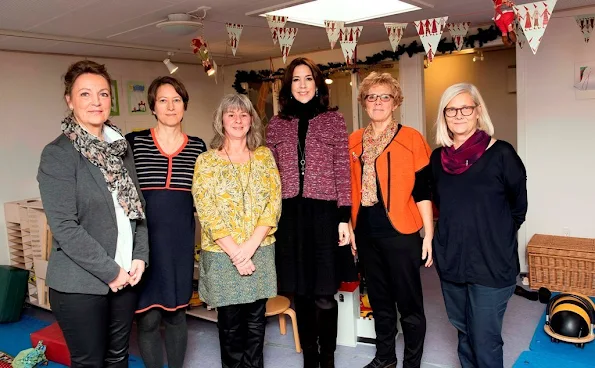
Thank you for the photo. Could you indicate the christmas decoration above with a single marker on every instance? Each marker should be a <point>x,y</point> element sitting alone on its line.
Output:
<point>504,18</point>
<point>586,23</point>
<point>458,31</point>
<point>332,31</point>
<point>534,18</point>
<point>276,22</point>
<point>348,37</point>
<point>286,38</point>
<point>234,31</point>
<point>430,31</point>
<point>200,48</point>
<point>395,33</point>
<point>478,39</point>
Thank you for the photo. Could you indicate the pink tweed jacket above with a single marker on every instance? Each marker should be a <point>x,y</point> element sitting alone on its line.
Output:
<point>327,174</point>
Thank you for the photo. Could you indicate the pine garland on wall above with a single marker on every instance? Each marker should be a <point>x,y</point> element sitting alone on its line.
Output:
<point>480,38</point>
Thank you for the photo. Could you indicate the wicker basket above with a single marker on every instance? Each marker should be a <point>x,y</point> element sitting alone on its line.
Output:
<point>562,263</point>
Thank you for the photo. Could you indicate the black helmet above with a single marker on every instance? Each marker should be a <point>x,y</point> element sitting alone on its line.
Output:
<point>571,318</point>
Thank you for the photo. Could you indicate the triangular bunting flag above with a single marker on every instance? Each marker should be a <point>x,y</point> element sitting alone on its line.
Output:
<point>286,37</point>
<point>332,30</point>
<point>533,18</point>
<point>348,37</point>
<point>234,31</point>
<point>430,31</point>
<point>520,36</point>
<point>585,22</point>
<point>458,31</point>
<point>395,33</point>
<point>275,23</point>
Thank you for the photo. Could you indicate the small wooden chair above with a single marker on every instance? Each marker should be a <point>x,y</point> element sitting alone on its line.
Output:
<point>279,305</point>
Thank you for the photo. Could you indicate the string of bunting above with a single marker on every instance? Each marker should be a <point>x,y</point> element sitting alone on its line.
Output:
<point>480,38</point>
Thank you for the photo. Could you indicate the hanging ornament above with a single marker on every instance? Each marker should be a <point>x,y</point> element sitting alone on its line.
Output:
<point>586,23</point>
<point>348,36</point>
<point>286,37</point>
<point>430,31</point>
<point>276,22</point>
<point>200,49</point>
<point>332,31</point>
<point>458,31</point>
<point>534,18</point>
<point>395,33</point>
<point>234,31</point>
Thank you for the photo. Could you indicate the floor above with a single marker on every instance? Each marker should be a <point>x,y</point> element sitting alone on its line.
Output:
<point>440,347</point>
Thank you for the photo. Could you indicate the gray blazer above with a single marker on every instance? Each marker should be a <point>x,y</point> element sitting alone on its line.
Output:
<point>82,218</point>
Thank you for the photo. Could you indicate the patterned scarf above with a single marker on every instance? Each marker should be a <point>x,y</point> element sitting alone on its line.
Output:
<point>457,161</point>
<point>373,147</point>
<point>108,158</point>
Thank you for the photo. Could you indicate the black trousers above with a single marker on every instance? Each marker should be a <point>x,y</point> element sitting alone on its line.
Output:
<point>392,273</point>
<point>96,327</point>
<point>241,334</point>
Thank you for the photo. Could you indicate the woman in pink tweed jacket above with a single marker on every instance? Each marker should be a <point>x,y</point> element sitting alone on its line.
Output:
<point>309,142</point>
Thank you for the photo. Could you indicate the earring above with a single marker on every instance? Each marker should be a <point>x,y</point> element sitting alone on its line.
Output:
<point>316,92</point>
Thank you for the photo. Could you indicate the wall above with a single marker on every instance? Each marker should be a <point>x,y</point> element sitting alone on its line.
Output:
<point>32,107</point>
<point>489,75</point>
<point>555,133</point>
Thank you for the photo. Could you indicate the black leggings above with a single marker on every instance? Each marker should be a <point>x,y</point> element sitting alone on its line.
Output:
<point>149,337</point>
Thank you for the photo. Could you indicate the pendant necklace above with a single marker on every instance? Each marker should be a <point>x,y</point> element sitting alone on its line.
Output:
<point>240,178</point>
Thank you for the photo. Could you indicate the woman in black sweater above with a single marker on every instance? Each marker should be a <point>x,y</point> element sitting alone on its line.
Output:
<point>481,194</point>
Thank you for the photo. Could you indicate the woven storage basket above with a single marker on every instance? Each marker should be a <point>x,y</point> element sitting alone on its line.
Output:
<point>562,263</point>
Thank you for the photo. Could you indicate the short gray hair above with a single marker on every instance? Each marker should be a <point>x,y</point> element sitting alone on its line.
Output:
<point>444,136</point>
<point>232,102</point>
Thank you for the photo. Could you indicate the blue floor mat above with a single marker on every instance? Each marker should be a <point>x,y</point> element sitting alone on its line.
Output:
<point>15,337</point>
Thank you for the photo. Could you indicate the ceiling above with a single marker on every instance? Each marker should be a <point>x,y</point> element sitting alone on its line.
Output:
<point>89,24</point>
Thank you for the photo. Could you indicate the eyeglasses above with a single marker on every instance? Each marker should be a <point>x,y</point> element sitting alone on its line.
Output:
<point>451,112</point>
<point>383,98</point>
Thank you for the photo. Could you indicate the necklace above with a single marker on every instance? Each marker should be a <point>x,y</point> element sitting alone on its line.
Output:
<point>243,188</point>
<point>302,158</point>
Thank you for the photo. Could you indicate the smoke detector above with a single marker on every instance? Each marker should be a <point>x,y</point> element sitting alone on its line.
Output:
<point>180,24</point>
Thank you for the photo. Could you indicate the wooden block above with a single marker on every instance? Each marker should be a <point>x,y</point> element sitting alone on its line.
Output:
<point>11,212</point>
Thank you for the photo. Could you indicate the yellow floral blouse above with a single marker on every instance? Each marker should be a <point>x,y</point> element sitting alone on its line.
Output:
<point>233,199</point>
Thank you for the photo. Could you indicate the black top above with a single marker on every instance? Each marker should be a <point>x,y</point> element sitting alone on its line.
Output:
<point>305,112</point>
<point>374,219</point>
<point>480,211</point>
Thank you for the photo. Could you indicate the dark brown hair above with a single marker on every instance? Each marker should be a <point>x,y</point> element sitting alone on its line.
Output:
<point>287,108</point>
<point>160,81</point>
<point>84,67</point>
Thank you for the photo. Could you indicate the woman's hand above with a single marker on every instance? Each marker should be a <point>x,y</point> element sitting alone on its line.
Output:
<point>120,282</point>
<point>344,235</point>
<point>426,251</point>
<point>136,271</point>
<point>248,248</point>
<point>247,268</point>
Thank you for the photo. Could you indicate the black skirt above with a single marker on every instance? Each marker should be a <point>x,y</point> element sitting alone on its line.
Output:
<point>309,260</point>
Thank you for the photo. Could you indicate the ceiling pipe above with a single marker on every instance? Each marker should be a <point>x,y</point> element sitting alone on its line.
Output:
<point>88,41</point>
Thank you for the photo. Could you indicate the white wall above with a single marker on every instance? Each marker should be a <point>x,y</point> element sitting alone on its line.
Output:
<point>555,133</point>
<point>32,108</point>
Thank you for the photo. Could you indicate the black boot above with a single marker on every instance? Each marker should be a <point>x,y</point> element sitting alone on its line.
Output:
<point>327,323</point>
<point>305,311</point>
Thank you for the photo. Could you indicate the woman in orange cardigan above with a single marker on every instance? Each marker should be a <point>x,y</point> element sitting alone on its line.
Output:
<point>390,181</point>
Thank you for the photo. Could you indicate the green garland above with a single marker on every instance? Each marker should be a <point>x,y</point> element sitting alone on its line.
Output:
<point>482,37</point>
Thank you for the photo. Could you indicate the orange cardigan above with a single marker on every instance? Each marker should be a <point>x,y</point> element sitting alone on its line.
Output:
<point>396,166</point>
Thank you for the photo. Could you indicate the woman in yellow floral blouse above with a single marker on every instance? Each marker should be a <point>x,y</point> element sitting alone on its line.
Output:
<point>237,193</point>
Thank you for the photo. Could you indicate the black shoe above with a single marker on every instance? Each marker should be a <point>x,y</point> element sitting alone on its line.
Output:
<point>379,363</point>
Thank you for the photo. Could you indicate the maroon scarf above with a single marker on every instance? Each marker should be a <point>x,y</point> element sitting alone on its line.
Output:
<point>457,161</point>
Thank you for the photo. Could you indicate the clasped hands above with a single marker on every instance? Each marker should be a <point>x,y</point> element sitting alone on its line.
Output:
<point>128,278</point>
<point>242,257</point>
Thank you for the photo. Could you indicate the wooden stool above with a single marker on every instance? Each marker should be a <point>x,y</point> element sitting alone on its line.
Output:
<point>280,305</point>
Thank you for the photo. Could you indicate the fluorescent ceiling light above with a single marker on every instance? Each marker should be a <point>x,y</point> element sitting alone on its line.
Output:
<point>314,13</point>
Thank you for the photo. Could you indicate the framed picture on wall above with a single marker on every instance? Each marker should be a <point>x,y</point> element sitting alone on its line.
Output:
<point>115,101</point>
<point>137,98</point>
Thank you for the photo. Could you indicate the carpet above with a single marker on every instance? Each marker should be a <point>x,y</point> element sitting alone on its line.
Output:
<point>545,354</point>
<point>14,337</point>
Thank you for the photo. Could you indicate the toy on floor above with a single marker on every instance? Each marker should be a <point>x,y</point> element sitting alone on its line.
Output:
<point>570,317</point>
<point>30,358</point>
<point>504,17</point>
<point>365,310</point>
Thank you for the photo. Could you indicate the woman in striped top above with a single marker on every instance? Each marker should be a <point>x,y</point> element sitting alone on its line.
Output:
<point>165,158</point>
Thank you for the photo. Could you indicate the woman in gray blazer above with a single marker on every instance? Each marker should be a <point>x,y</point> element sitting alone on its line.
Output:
<point>95,211</point>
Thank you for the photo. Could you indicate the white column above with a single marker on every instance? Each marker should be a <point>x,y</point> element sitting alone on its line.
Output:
<point>411,75</point>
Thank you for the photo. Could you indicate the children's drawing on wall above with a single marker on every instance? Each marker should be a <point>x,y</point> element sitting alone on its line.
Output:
<point>137,98</point>
<point>584,80</point>
<point>115,102</point>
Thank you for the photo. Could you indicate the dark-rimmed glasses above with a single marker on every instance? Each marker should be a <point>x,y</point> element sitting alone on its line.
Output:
<point>451,112</point>
<point>383,98</point>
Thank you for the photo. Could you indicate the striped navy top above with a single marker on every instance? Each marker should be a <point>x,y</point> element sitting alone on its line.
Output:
<point>157,170</point>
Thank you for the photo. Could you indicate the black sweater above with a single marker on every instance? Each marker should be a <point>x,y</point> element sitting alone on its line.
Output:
<point>480,212</point>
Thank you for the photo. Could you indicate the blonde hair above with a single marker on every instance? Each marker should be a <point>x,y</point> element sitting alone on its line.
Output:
<point>232,102</point>
<point>384,79</point>
<point>444,136</point>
